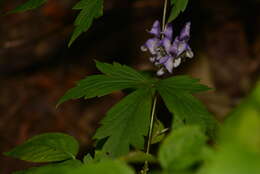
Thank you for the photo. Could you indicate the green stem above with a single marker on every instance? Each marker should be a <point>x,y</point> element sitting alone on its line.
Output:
<point>151,125</point>
<point>146,166</point>
<point>164,15</point>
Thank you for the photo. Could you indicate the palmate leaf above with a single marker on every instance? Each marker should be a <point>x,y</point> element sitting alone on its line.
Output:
<point>184,83</point>
<point>48,147</point>
<point>120,71</point>
<point>117,77</point>
<point>177,95</point>
<point>90,9</point>
<point>126,123</point>
<point>28,5</point>
<point>178,7</point>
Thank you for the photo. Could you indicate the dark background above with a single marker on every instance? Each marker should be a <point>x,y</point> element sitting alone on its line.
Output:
<point>37,67</point>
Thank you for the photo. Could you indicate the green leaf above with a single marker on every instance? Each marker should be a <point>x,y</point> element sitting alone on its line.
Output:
<point>247,132</point>
<point>103,167</point>
<point>238,149</point>
<point>121,71</point>
<point>178,7</point>
<point>87,159</point>
<point>138,157</point>
<point>29,5</point>
<point>126,123</point>
<point>232,159</point>
<point>182,148</point>
<point>90,9</point>
<point>184,83</point>
<point>117,77</point>
<point>186,108</point>
<point>57,168</point>
<point>157,134</point>
<point>243,123</point>
<point>48,147</point>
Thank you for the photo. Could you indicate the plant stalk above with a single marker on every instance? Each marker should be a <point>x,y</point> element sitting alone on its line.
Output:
<point>164,15</point>
<point>146,166</point>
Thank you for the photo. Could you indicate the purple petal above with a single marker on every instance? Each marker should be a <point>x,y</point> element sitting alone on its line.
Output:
<point>185,32</point>
<point>166,44</point>
<point>151,45</point>
<point>156,29</point>
<point>182,46</point>
<point>174,47</point>
<point>169,65</point>
<point>164,59</point>
<point>168,31</point>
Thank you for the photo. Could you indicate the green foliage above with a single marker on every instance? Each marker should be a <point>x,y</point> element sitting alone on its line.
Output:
<point>243,124</point>
<point>239,141</point>
<point>126,123</point>
<point>251,105</point>
<point>176,93</point>
<point>178,7</point>
<point>238,151</point>
<point>138,157</point>
<point>182,148</point>
<point>130,117</point>
<point>121,71</point>
<point>103,167</point>
<point>88,159</point>
<point>89,10</point>
<point>47,147</point>
<point>183,83</point>
<point>28,5</point>
<point>157,134</point>
<point>233,159</point>
<point>56,168</point>
<point>117,77</point>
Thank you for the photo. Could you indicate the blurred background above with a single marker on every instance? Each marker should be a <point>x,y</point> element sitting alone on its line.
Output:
<point>37,67</point>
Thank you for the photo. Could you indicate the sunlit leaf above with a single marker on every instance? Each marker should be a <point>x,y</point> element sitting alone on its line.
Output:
<point>56,168</point>
<point>138,157</point>
<point>103,167</point>
<point>182,148</point>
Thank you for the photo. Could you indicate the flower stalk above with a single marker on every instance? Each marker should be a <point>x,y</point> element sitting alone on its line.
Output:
<point>167,52</point>
<point>164,14</point>
<point>146,165</point>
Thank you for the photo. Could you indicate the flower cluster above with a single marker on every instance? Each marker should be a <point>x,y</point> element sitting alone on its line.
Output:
<point>166,53</point>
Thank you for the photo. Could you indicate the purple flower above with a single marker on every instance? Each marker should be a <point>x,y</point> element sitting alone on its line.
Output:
<point>166,53</point>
